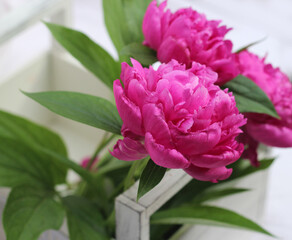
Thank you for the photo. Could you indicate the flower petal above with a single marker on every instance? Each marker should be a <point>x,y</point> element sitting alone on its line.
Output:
<point>208,174</point>
<point>269,134</point>
<point>219,156</point>
<point>152,26</point>
<point>129,150</point>
<point>172,48</point>
<point>138,67</point>
<point>154,123</point>
<point>164,157</point>
<point>198,142</point>
<point>136,92</point>
<point>129,112</point>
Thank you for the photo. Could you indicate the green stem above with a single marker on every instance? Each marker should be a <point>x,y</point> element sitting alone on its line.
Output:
<point>104,142</point>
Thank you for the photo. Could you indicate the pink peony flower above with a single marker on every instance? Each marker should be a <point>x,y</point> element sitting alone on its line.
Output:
<point>188,36</point>
<point>178,117</point>
<point>85,161</point>
<point>261,127</point>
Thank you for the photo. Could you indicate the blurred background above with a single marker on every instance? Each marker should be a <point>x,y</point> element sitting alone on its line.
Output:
<point>32,61</point>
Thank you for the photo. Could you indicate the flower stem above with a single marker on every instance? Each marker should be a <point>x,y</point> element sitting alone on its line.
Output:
<point>104,142</point>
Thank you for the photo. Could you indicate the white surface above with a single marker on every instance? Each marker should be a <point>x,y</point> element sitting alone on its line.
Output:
<point>133,218</point>
<point>251,21</point>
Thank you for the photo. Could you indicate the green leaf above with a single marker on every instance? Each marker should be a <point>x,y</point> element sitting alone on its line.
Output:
<point>206,215</point>
<point>141,53</point>
<point>29,212</point>
<point>22,165</point>
<point>135,11</point>
<point>151,176</point>
<point>83,219</point>
<point>212,194</point>
<point>28,147</point>
<point>88,53</point>
<point>112,166</point>
<point>115,21</point>
<point>87,109</point>
<point>23,130</point>
<point>123,19</point>
<point>250,45</point>
<point>249,97</point>
<point>243,168</point>
<point>70,164</point>
<point>20,128</point>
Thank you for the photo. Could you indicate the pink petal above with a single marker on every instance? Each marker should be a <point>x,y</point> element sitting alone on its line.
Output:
<point>219,156</point>
<point>85,161</point>
<point>154,123</point>
<point>180,27</point>
<point>162,156</point>
<point>200,98</point>
<point>208,174</point>
<point>129,112</point>
<point>152,26</point>
<point>136,92</point>
<point>152,79</point>
<point>198,142</point>
<point>126,74</point>
<point>138,67</point>
<point>129,150</point>
<point>167,101</point>
<point>172,48</point>
<point>126,132</point>
<point>272,135</point>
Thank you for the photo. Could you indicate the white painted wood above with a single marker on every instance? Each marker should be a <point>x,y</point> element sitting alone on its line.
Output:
<point>249,204</point>
<point>62,16</point>
<point>21,18</point>
<point>133,218</point>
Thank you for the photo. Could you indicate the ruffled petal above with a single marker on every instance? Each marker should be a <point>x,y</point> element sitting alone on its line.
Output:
<point>152,26</point>
<point>129,112</point>
<point>172,48</point>
<point>198,142</point>
<point>208,174</point>
<point>126,74</point>
<point>138,67</point>
<point>155,124</point>
<point>129,150</point>
<point>219,156</point>
<point>269,134</point>
<point>126,132</point>
<point>137,93</point>
<point>164,157</point>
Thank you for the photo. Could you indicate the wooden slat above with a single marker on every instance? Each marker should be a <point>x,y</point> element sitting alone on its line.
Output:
<point>133,218</point>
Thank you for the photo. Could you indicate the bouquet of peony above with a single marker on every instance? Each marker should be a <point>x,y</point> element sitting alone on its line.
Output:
<point>183,99</point>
